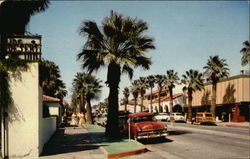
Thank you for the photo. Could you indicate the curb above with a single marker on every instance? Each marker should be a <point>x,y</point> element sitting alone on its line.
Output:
<point>119,154</point>
<point>128,153</point>
<point>237,126</point>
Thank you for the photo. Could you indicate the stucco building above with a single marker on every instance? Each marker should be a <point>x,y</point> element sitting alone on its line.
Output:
<point>231,91</point>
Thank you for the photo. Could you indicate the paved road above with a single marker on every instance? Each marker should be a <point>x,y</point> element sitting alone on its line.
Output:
<point>199,142</point>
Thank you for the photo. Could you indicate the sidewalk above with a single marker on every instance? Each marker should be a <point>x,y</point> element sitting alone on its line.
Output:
<point>234,124</point>
<point>88,143</point>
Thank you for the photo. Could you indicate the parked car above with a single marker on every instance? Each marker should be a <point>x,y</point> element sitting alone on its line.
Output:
<point>178,117</point>
<point>101,119</point>
<point>144,125</point>
<point>162,116</point>
<point>204,117</point>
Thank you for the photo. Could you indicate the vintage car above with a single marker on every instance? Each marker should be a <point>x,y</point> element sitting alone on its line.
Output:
<point>162,116</point>
<point>204,117</point>
<point>178,117</point>
<point>144,125</point>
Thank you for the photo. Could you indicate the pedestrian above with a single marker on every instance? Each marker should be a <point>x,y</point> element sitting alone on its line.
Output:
<point>82,119</point>
<point>74,120</point>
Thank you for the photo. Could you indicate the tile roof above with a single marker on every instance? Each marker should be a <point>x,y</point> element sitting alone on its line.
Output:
<point>155,92</point>
<point>50,99</point>
<point>167,98</point>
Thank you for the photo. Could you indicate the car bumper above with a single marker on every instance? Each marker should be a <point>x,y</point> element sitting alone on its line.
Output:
<point>152,134</point>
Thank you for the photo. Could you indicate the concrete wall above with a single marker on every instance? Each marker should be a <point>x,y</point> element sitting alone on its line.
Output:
<point>27,130</point>
<point>23,120</point>
<point>48,128</point>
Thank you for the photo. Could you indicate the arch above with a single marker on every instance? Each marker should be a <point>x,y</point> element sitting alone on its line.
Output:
<point>177,108</point>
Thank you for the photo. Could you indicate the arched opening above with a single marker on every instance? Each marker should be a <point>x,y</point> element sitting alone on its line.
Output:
<point>177,108</point>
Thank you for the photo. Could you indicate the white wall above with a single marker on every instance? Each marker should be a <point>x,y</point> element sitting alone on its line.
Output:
<point>48,129</point>
<point>23,120</point>
<point>27,130</point>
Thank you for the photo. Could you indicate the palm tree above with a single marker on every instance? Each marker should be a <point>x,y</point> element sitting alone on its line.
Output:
<point>92,89</point>
<point>193,81</point>
<point>16,14</point>
<point>49,79</point>
<point>126,95</point>
<point>171,79</point>
<point>151,84</point>
<point>215,69</point>
<point>134,89</point>
<point>159,80</point>
<point>141,84</point>
<point>120,45</point>
<point>246,53</point>
<point>79,90</point>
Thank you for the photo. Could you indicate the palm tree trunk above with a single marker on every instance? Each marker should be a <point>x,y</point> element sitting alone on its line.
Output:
<point>142,102</point>
<point>135,105</point>
<point>151,104</point>
<point>159,101</point>
<point>213,100</point>
<point>190,98</point>
<point>171,103</point>
<point>126,103</point>
<point>113,80</point>
<point>89,113</point>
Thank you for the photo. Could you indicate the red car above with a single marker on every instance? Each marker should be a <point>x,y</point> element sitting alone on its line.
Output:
<point>143,125</point>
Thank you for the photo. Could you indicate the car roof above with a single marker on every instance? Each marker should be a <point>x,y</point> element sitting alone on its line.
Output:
<point>139,114</point>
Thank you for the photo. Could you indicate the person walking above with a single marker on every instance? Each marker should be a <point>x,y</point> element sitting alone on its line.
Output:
<point>74,120</point>
<point>82,119</point>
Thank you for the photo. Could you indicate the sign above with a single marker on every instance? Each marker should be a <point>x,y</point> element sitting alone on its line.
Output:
<point>23,44</point>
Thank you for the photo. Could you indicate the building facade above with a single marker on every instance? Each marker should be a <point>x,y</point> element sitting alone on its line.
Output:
<point>231,92</point>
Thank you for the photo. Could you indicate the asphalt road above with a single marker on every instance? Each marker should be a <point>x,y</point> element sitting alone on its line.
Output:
<point>199,142</point>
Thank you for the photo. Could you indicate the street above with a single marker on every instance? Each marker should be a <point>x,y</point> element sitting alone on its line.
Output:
<point>187,141</point>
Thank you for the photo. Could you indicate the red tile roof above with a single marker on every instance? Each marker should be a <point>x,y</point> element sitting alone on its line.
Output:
<point>50,99</point>
<point>167,98</point>
<point>155,92</point>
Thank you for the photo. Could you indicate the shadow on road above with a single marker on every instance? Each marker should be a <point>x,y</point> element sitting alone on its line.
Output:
<point>65,143</point>
<point>154,141</point>
<point>178,132</point>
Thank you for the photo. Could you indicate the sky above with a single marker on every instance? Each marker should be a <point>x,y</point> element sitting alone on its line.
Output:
<point>185,34</point>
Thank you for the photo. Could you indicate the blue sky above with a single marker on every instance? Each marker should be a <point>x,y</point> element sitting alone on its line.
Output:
<point>185,33</point>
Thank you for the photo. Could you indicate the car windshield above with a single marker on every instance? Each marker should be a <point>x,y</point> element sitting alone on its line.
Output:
<point>143,118</point>
<point>208,115</point>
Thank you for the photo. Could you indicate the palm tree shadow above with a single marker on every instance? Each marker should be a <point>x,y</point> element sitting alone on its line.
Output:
<point>65,143</point>
<point>229,94</point>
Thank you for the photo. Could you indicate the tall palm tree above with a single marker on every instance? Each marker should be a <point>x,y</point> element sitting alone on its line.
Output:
<point>215,69</point>
<point>134,89</point>
<point>159,80</point>
<point>126,95</point>
<point>151,84</point>
<point>120,45</point>
<point>193,81</point>
<point>245,53</point>
<point>92,88</point>
<point>171,79</point>
<point>141,84</point>
<point>79,90</point>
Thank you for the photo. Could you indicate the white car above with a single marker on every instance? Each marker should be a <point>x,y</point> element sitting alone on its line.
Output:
<point>162,116</point>
<point>178,117</point>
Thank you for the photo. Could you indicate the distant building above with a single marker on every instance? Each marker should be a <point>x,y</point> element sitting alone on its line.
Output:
<point>230,92</point>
